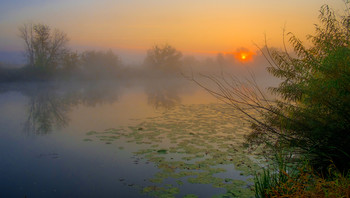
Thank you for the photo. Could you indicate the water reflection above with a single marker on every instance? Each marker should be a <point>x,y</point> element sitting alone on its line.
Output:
<point>163,95</point>
<point>45,110</point>
<point>49,104</point>
<point>92,94</point>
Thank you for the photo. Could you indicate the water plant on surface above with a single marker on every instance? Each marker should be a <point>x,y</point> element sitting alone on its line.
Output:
<point>190,145</point>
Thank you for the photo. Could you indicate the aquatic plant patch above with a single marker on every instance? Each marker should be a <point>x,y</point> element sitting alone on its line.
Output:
<point>187,143</point>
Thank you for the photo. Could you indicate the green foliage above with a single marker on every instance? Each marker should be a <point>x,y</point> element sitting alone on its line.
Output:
<point>162,151</point>
<point>313,112</point>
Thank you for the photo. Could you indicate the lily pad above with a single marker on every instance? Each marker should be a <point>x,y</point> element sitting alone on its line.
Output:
<point>188,144</point>
<point>162,151</point>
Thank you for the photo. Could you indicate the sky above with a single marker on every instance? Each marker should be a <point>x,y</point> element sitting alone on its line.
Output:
<point>191,26</point>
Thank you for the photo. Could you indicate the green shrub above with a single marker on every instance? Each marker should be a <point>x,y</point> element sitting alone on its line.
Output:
<point>312,113</point>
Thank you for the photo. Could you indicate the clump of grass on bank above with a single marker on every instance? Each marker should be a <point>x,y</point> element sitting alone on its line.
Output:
<point>303,181</point>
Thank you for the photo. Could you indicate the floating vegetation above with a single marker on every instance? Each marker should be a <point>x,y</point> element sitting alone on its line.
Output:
<point>161,191</point>
<point>87,140</point>
<point>190,143</point>
<point>162,151</point>
<point>190,196</point>
<point>92,133</point>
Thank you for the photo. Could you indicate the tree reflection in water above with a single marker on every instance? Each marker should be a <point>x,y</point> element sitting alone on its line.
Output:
<point>163,95</point>
<point>46,109</point>
<point>49,104</point>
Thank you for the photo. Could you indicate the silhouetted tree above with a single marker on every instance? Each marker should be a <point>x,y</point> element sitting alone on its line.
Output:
<point>70,65</point>
<point>100,64</point>
<point>165,58</point>
<point>44,47</point>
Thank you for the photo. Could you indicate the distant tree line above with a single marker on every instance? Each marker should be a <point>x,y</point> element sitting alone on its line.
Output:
<point>48,57</point>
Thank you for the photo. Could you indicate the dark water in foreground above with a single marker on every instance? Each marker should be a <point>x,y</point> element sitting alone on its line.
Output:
<point>119,139</point>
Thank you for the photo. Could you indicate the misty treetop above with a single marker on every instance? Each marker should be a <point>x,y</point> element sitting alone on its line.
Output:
<point>49,58</point>
<point>163,57</point>
<point>99,64</point>
<point>44,47</point>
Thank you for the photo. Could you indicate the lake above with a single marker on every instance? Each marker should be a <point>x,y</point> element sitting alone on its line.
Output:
<point>127,138</point>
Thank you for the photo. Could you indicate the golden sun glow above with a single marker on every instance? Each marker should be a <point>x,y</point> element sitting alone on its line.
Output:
<point>244,55</point>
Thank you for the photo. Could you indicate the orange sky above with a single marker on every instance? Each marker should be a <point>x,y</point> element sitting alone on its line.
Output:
<point>204,26</point>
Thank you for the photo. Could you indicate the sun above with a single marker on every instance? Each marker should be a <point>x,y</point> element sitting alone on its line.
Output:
<point>244,55</point>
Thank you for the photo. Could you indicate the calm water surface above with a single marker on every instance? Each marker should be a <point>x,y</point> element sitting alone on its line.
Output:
<point>46,149</point>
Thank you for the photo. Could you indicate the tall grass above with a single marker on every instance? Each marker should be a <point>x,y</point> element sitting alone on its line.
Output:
<point>273,175</point>
<point>283,180</point>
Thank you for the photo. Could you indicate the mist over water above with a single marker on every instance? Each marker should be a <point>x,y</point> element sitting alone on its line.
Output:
<point>172,98</point>
<point>100,124</point>
<point>90,119</point>
<point>44,125</point>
